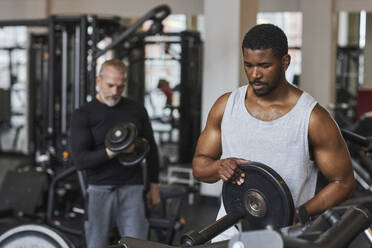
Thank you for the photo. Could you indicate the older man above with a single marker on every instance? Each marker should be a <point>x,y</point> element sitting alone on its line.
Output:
<point>115,192</point>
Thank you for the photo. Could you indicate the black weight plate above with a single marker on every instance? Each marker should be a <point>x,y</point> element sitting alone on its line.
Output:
<point>121,136</point>
<point>30,236</point>
<point>260,180</point>
<point>118,134</point>
<point>142,148</point>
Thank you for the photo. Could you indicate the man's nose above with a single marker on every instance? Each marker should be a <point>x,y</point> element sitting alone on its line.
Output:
<point>115,91</point>
<point>256,73</point>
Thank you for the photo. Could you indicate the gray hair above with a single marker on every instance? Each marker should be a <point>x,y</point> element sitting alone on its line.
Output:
<point>116,63</point>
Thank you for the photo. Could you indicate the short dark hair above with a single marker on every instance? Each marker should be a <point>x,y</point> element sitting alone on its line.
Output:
<point>265,36</point>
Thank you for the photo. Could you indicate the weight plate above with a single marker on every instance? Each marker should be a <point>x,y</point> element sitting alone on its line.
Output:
<point>264,196</point>
<point>142,148</point>
<point>30,236</point>
<point>118,134</point>
<point>121,136</point>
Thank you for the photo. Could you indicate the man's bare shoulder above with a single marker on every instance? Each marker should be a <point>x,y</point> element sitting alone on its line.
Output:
<point>218,107</point>
<point>322,127</point>
<point>320,116</point>
<point>222,100</point>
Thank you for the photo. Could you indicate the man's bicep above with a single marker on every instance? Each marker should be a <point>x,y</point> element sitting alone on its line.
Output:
<point>208,150</point>
<point>80,138</point>
<point>329,149</point>
<point>334,161</point>
<point>209,143</point>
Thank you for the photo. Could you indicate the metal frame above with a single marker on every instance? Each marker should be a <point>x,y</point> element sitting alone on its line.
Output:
<point>74,30</point>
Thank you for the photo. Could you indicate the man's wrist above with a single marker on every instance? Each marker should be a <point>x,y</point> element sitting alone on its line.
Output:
<point>302,214</point>
<point>154,185</point>
<point>110,154</point>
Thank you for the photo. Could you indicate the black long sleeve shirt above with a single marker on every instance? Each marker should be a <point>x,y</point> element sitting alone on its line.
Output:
<point>89,125</point>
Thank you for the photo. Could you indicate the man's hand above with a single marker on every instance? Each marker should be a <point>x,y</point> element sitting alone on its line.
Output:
<point>129,149</point>
<point>152,196</point>
<point>112,154</point>
<point>229,170</point>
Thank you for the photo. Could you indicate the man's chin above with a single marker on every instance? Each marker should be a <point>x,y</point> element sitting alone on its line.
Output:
<point>260,93</point>
<point>112,103</point>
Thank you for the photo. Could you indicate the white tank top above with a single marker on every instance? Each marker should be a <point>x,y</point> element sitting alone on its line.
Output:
<point>281,144</point>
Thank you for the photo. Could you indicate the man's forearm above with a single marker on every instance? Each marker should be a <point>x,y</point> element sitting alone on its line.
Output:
<point>331,195</point>
<point>205,169</point>
<point>85,159</point>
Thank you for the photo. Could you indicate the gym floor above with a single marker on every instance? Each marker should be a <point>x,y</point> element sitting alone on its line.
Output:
<point>197,215</point>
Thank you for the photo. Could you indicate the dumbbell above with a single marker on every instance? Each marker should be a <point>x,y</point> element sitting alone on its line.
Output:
<point>121,137</point>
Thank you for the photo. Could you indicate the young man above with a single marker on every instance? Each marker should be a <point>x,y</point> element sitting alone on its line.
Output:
<point>115,192</point>
<point>272,122</point>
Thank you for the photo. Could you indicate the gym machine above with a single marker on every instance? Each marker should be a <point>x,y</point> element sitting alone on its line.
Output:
<point>347,83</point>
<point>360,148</point>
<point>75,68</point>
<point>62,77</point>
<point>185,49</point>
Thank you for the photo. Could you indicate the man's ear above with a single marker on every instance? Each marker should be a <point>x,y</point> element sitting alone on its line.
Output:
<point>98,81</point>
<point>286,61</point>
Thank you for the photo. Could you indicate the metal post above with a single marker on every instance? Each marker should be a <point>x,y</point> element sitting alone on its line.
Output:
<point>76,83</point>
<point>31,144</point>
<point>83,59</point>
<point>10,68</point>
<point>51,82</point>
<point>93,61</point>
<point>63,107</point>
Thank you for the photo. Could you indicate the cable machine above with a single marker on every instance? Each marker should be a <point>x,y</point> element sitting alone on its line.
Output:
<point>62,70</point>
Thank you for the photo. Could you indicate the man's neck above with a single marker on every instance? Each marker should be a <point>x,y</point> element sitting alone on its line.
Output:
<point>98,97</point>
<point>277,96</point>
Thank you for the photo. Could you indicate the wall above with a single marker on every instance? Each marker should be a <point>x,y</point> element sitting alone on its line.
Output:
<point>35,9</point>
<point>125,8</point>
<point>295,5</point>
<point>23,9</point>
<point>367,83</point>
<point>278,5</point>
<point>353,5</point>
<point>319,50</point>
